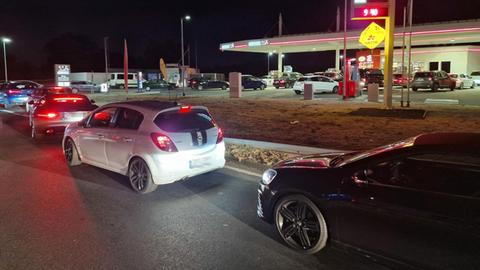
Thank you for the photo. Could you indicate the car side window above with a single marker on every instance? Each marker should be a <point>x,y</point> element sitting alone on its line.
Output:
<point>128,119</point>
<point>103,118</point>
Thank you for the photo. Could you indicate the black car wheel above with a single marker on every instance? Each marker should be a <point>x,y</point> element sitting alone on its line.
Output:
<point>335,89</point>
<point>200,87</point>
<point>452,87</point>
<point>224,87</point>
<point>435,87</point>
<point>71,153</point>
<point>415,89</point>
<point>277,86</point>
<point>298,92</point>
<point>301,224</point>
<point>140,176</point>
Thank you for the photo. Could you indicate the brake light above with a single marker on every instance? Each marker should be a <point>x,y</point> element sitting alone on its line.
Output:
<point>49,115</point>
<point>14,92</point>
<point>57,88</point>
<point>185,109</point>
<point>429,78</point>
<point>67,99</point>
<point>282,81</point>
<point>163,142</point>
<point>219,135</point>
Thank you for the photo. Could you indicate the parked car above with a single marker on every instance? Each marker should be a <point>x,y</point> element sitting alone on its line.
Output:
<point>287,80</point>
<point>251,82</point>
<point>476,77</point>
<point>268,79</point>
<point>84,86</point>
<point>158,84</point>
<point>56,112</point>
<point>462,80</point>
<point>16,92</point>
<point>210,84</point>
<point>334,75</point>
<point>414,202</point>
<point>433,80</point>
<point>38,95</point>
<point>399,80</point>
<point>374,76</point>
<point>320,84</point>
<point>151,142</point>
<point>117,80</point>
<point>193,82</point>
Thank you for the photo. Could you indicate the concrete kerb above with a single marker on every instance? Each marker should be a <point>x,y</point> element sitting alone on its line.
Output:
<point>287,148</point>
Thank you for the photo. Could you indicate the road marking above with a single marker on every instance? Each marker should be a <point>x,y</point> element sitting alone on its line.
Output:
<point>11,112</point>
<point>243,171</point>
<point>441,101</point>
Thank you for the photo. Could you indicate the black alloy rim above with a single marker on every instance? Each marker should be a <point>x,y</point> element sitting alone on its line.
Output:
<point>299,225</point>
<point>138,175</point>
<point>69,151</point>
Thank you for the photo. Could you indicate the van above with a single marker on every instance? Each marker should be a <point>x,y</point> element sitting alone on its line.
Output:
<point>116,80</point>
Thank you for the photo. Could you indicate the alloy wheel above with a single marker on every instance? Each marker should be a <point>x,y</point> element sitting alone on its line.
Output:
<point>68,151</point>
<point>138,175</point>
<point>301,224</point>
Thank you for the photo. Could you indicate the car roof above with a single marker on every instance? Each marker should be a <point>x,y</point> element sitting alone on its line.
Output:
<point>470,140</point>
<point>152,105</point>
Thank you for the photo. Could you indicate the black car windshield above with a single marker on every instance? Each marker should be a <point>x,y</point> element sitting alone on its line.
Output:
<point>352,157</point>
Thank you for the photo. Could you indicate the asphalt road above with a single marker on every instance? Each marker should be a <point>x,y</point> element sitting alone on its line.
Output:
<point>465,97</point>
<point>55,217</point>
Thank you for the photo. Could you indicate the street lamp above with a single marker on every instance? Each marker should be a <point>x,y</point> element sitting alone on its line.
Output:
<point>268,62</point>
<point>182,71</point>
<point>5,40</point>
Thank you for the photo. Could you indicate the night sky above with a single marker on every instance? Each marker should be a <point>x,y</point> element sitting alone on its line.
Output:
<point>48,32</point>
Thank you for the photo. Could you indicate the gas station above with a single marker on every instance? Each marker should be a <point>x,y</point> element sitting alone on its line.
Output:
<point>448,46</point>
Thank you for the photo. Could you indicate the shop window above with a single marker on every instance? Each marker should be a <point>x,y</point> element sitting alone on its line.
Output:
<point>446,66</point>
<point>433,66</point>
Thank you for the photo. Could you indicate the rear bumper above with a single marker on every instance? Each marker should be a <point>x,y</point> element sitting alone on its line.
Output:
<point>422,84</point>
<point>53,126</point>
<point>171,167</point>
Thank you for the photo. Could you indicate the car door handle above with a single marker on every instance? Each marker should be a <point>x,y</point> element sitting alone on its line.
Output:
<point>125,139</point>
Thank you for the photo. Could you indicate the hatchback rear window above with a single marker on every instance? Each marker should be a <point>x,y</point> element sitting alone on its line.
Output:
<point>475,73</point>
<point>69,102</point>
<point>176,121</point>
<point>423,74</point>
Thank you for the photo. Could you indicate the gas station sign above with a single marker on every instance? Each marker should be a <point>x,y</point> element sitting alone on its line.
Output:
<point>372,36</point>
<point>369,9</point>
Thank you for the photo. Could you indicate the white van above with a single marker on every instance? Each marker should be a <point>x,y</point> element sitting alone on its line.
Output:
<point>117,80</point>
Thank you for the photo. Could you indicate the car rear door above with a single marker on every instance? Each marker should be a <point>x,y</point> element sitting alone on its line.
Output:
<point>92,138</point>
<point>412,209</point>
<point>120,140</point>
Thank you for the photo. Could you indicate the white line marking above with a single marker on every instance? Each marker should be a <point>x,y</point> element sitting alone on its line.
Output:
<point>10,112</point>
<point>441,101</point>
<point>243,171</point>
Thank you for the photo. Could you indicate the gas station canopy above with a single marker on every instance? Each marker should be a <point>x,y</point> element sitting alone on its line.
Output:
<point>447,33</point>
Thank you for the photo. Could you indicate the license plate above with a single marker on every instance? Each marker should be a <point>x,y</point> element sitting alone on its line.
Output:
<point>73,116</point>
<point>197,163</point>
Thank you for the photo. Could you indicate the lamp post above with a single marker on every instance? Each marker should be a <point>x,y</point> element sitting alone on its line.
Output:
<point>268,62</point>
<point>5,40</point>
<point>182,71</point>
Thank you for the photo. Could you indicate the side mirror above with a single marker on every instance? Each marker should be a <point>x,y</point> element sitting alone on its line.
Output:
<point>31,102</point>
<point>92,101</point>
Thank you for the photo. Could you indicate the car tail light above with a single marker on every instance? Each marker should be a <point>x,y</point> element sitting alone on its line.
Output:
<point>219,135</point>
<point>57,88</point>
<point>364,80</point>
<point>48,115</point>
<point>282,81</point>
<point>429,78</point>
<point>14,92</point>
<point>185,109</point>
<point>68,99</point>
<point>163,142</point>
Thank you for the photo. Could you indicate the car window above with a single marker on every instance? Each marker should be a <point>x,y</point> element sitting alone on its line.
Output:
<point>449,173</point>
<point>103,118</point>
<point>130,76</point>
<point>475,73</point>
<point>120,77</point>
<point>128,119</point>
<point>176,121</point>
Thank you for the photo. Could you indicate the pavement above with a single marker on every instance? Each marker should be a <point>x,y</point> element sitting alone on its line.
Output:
<point>464,97</point>
<point>56,217</point>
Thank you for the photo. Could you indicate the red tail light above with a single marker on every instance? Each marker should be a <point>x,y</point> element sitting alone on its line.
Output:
<point>14,92</point>
<point>48,115</point>
<point>68,99</point>
<point>282,81</point>
<point>58,88</point>
<point>185,109</point>
<point>163,142</point>
<point>219,135</point>
<point>429,78</point>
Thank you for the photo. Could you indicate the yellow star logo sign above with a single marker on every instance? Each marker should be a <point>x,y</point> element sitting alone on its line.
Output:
<point>372,36</point>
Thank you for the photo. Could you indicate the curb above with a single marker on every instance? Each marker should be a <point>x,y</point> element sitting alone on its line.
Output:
<point>287,148</point>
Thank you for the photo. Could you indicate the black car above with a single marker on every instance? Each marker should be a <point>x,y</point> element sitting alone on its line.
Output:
<point>287,80</point>
<point>158,84</point>
<point>251,82</point>
<point>414,202</point>
<point>210,84</point>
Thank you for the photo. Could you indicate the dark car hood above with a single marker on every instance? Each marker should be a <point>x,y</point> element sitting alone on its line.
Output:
<point>318,161</point>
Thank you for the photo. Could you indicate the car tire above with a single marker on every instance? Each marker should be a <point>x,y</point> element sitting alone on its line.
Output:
<point>34,133</point>
<point>461,86</point>
<point>301,224</point>
<point>147,88</point>
<point>224,87</point>
<point>298,92</point>
<point>415,89</point>
<point>277,87</point>
<point>262,87</point>
<point>473,86</point>
<point>140,177</point>
<point>200,88</point>
<point>71,153</point>
<point>335,89</point>
<point>435,87</point>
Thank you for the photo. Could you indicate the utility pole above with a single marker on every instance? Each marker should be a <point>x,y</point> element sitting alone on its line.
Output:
<point>345,79</point>
<point>410,21</point>
<point>105,45</point>
<point>280,55</point>
<point>403,51</point>
<point>388,67</point>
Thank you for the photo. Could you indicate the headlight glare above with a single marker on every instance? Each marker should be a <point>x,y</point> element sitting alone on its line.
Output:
<point>268,176</point>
